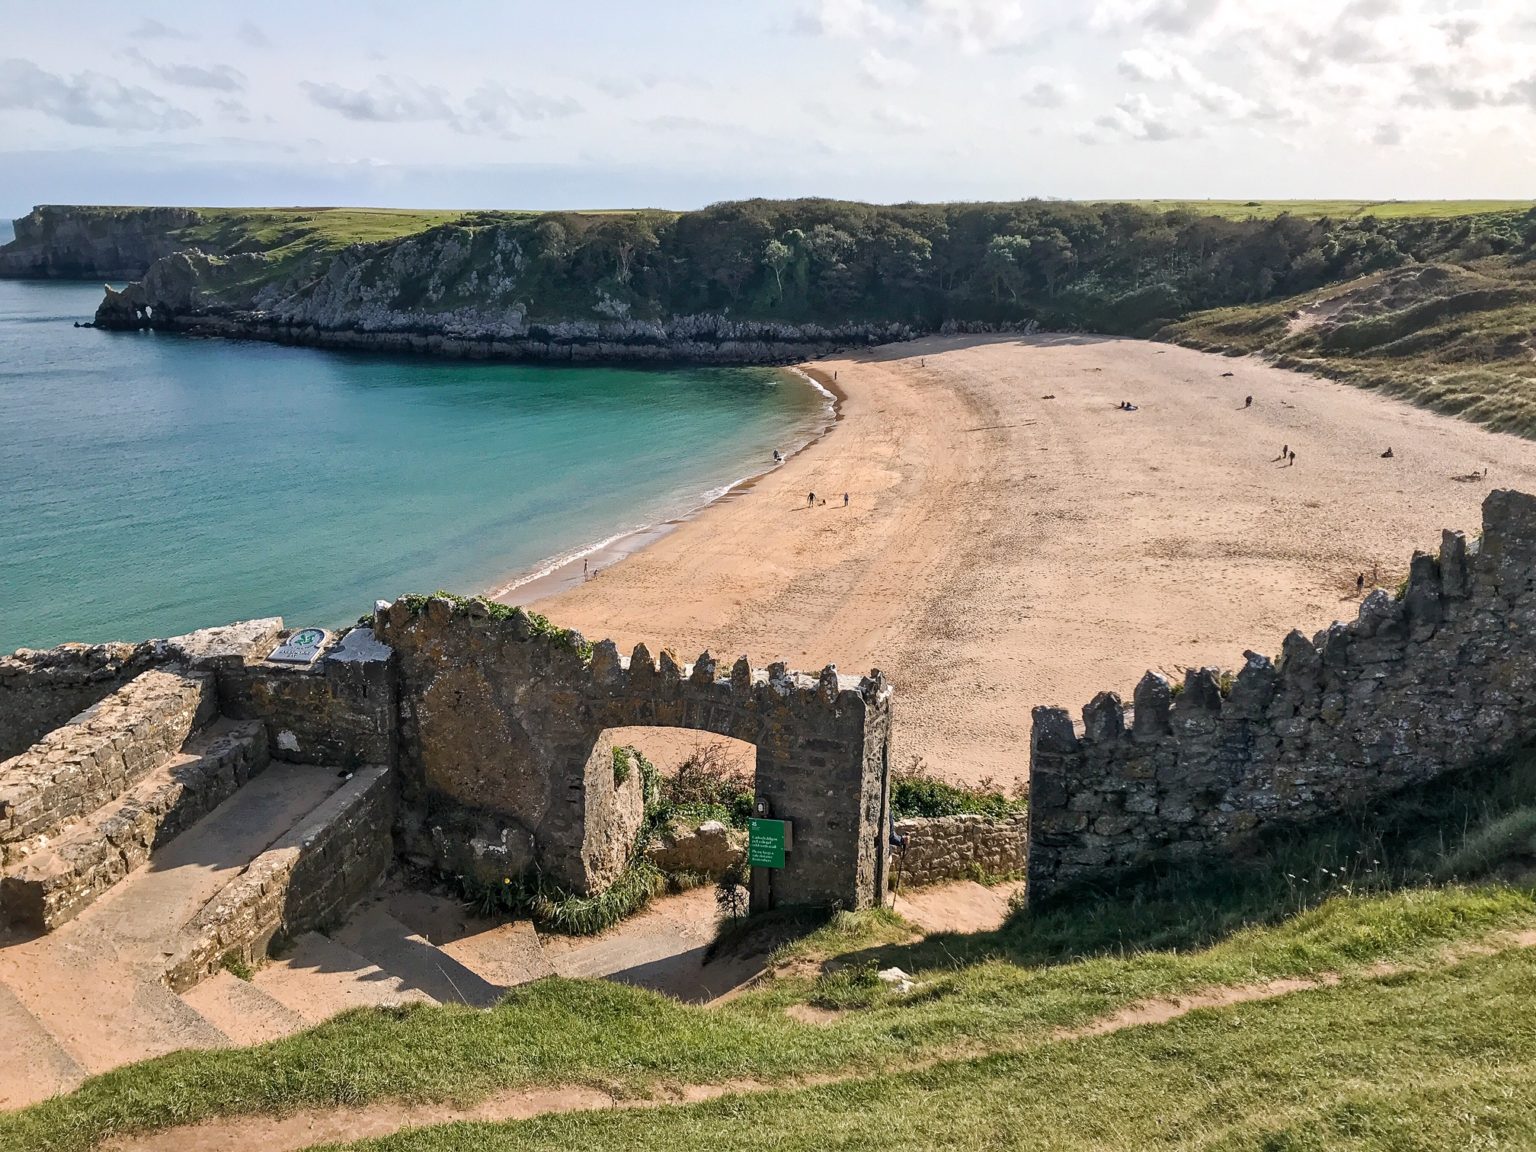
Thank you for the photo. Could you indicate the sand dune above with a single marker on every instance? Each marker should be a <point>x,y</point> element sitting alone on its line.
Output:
<point>1002,550</point>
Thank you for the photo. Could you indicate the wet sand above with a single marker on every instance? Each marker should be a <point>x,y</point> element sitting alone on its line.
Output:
<point>1002,550</point>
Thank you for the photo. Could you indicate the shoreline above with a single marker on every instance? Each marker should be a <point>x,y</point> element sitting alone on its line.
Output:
<point>568,570</point>
<point>1015,540</point>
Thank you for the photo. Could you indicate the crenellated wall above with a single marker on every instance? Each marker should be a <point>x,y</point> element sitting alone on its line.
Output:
<point>505,763</point>
<point>1417,687</point>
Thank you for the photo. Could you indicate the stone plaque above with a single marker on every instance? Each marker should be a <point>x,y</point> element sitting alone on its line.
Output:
<point>300,648</point>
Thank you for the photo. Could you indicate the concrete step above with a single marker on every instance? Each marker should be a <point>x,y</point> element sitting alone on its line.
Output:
<point>506,955</point>
<point>242,1011</point>
<point>56,883</point>
<point>104,1016</point>
<point>96,983</point>
<point>374,933</point>
<point>33,1065</point>
<point>320,978</point>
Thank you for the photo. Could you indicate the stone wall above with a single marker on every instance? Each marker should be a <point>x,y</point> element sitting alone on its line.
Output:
<point>76,769</point>
<point>943,848</point>
<point>41,690</point>
<point>307,881</point>
<point>505,765</point>
<point>55,884</point>
<point>1417,687</point>
<point>339,712</point>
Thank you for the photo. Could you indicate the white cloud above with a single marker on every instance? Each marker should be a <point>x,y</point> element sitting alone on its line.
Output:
<point>882,71</point>
<point>490,108</point>
<point>386,101</point>
<point>87,99</point>
<point>219,77</point>
<point>891,118</point>
<point>253,37</point>
<point>154,30</point>
<point>1387,135</point>
<point>1138,118</point>
<point>970,25</point>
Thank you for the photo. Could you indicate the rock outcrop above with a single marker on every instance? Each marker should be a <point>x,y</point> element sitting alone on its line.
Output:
<point>74,243</point>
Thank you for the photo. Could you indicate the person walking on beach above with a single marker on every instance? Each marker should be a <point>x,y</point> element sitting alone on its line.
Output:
<point>1293,460</point>
<point>1248,402</point>
<point>810,501</point>
<point>1359,584</point>
<point>845,499</point>
<point>586,569</point>
<point>1285,450</point>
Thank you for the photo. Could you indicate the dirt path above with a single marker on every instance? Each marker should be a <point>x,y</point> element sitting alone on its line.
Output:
<point>312,1126</point>
<point>1002,550</point>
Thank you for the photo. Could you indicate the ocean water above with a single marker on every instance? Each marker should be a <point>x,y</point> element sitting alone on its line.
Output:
<point>151,484</point>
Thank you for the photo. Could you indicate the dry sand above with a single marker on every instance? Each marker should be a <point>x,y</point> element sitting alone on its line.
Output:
<point>1003,550</point>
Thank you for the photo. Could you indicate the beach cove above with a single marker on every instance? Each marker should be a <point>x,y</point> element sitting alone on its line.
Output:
<point>1014,539</point>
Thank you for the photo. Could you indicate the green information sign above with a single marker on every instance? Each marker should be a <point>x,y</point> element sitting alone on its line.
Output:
<point>765,843</point>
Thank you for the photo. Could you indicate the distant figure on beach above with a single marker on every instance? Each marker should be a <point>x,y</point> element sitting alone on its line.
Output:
<point>586,569</point>
<point>923,363</point>
<point>1285,450</point>
<point>834,375</point>
<point>1248,402</point>
<point>1387,455</point>
<point>845,499</point>
<point>1359,583</point>
<point>1293,460</point>
<point>810,501</point>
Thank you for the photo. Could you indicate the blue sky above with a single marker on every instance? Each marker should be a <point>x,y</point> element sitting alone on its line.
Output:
<point>678,103</point>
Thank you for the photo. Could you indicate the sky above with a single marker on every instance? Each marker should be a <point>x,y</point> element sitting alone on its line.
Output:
<point>679,103</point>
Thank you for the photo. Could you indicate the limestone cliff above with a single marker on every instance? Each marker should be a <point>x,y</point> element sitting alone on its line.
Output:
<point>450,292</point>
<point>61,242</point>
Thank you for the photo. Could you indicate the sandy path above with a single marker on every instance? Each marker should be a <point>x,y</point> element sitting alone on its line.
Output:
<point>1003,551</point>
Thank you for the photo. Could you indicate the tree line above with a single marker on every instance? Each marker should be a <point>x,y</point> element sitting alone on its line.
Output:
<point>1108,267</point>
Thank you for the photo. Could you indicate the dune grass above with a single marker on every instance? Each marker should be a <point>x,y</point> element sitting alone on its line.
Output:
<point>1463,347</point>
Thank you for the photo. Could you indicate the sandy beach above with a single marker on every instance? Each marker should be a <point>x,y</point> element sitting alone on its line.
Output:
<point>1013,539</point>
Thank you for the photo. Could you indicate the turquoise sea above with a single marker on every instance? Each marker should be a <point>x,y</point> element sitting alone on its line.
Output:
<point>152,484</point>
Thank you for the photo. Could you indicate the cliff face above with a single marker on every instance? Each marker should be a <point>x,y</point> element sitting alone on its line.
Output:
<point>450,292</point>
<point>92,243</point>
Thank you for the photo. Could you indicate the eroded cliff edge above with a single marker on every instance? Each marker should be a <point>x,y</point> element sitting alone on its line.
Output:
<point>72,243</point>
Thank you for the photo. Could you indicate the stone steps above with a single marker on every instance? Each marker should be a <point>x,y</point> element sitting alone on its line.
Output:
<point>242,1011</point>
<point>375,934</point>
<point>95,985</point>
<point>100,754</point>
<point>33,1065</point>
<point>55,883</point>
<point>320,978</point>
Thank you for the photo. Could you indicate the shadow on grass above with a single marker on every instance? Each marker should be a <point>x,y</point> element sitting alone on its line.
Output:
<point>1479,823</point>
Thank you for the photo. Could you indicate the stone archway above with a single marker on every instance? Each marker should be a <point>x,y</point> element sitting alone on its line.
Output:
<point>506,763</point>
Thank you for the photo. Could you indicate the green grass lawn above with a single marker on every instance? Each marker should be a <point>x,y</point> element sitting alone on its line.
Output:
<point>1334,209</point>
<point>1417,1061</point>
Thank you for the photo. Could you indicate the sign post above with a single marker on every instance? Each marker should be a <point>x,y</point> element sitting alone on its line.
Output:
<point>767,841</point>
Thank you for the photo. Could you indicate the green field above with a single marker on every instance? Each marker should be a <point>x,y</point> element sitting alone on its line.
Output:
<point>1333,209</point>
